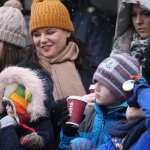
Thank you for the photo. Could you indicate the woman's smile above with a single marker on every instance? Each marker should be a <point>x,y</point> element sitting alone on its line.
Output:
<point>47,47</point>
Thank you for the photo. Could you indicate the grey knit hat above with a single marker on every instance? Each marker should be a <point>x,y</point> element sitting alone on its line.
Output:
<point>115,70</point>
<point>12,24</point>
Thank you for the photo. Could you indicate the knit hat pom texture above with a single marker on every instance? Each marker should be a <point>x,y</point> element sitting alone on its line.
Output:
<point>14,4</point>
<point>12,23</point>
<point>49,13</point>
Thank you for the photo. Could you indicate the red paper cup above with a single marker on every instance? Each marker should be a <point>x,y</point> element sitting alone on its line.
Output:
<point>76,106</point>
<point>128,91</point>
<point>128,88</point>
<point>91,88</point>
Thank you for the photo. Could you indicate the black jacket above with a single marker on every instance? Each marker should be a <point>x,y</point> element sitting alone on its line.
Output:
<point>86,75</point>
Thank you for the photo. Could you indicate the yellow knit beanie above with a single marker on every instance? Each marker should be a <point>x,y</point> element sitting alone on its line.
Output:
<point>49,13</point>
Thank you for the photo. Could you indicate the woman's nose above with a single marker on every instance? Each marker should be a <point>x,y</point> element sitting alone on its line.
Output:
<point>139,20</point>
<point>44,38</point>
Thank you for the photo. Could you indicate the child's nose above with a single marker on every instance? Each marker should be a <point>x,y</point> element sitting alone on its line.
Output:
<point>97,86</point>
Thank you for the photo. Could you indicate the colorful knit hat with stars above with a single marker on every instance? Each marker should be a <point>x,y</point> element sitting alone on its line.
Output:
<point>49,13</point>
<point>32,83</point>
<point>17,96</point>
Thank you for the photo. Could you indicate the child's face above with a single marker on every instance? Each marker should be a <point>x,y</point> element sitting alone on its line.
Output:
<point>104,95</point>
<point>133,113</point>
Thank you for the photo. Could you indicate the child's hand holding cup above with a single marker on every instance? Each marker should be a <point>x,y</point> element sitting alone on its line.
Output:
<point>128,91</point>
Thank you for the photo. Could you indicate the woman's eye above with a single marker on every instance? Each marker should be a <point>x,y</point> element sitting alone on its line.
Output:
<point>146,13</point>
<point>36,34</point>
<point>133,14</point>
<point>50,32</point>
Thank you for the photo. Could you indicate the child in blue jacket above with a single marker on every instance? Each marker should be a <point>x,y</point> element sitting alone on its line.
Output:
<point>109,105</point>
<point>133,133</point>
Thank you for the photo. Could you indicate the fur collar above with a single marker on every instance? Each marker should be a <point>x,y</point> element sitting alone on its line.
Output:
<point>32,82</point>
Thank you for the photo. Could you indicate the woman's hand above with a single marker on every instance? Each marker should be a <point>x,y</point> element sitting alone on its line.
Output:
<point>90,100</point>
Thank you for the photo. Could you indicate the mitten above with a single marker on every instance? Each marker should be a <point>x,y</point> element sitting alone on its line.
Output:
<point>32,141</point>
<point>7,121</point>
<point>139,85</point>
<point>81,144</point>
<point>67,129</point>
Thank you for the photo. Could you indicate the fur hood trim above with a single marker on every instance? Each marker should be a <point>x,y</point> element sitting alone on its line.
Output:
<point>124,29</point>
<point>124,15</point>
<point>32,82</point>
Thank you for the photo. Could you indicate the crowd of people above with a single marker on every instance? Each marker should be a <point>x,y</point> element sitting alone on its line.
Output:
<point>70,51</point>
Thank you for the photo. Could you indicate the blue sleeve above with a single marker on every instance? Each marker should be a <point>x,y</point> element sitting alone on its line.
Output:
<point>144,102</point>
<point>65,141</point>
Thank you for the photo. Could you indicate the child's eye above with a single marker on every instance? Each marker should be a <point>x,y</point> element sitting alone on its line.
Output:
<point>95,81</point>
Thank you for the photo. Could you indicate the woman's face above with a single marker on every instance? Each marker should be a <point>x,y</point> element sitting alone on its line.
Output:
<point>141,21</point>
<point>1,47</point>
<point>49,42</point>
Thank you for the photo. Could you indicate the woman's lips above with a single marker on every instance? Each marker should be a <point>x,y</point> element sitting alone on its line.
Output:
<point>141,29</point>
<point>46,48</point>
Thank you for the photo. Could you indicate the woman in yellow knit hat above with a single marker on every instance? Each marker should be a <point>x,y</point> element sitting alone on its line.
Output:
<point>56,49</point>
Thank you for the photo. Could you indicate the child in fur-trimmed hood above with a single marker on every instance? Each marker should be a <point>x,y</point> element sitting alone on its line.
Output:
<point>25,97</point>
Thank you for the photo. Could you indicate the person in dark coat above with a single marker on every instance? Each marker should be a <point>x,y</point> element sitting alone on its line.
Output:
<point>56,49</point>
<point>25,100</point>
<point>92,26</point>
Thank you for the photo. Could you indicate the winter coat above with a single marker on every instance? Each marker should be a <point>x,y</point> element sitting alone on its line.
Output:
<point>143,142</point>
<point>124,30</point>
<point>86,75</point>
<point>93,27</point>
<point>9,136</point>
<point>41,87</point>
<point>94,126</point>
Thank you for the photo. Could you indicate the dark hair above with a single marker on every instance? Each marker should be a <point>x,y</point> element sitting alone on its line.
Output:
<point>79,62</point>
<point>11,55</point>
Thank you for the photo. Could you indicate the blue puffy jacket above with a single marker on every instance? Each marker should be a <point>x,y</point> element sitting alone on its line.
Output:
<point>94,126</point>
<point>143,141</point>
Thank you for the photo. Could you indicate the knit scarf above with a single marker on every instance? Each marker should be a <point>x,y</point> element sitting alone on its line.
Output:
<point>119,131</point>
<point>138,47</point>
<point>63,72</point>
<point>146,66</point>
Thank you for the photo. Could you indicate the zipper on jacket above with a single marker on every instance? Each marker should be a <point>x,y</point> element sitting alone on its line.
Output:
<point>102,125</point>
